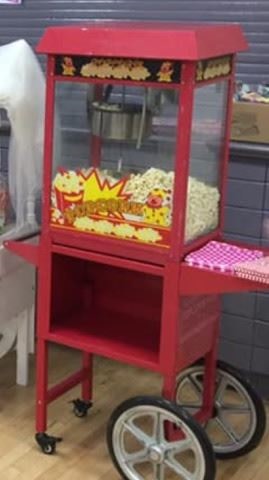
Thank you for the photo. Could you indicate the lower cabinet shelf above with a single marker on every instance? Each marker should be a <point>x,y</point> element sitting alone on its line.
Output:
<point>117,336</point>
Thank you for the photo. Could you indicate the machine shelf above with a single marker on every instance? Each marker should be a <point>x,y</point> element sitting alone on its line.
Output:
<point>202,281</point>
<point>111,335</point>
<point>106,259</point>
<point>105,245</point>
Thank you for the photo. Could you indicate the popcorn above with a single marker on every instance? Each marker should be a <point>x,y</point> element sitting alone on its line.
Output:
<point>124,230</point>
<point>89,70</point>
<point>202,204</point>
<point>103,226</point>
<point>56,216</point>
<point>84,223</point>
<point>140,185</point>
<point>138,71</point>
<point>115,68</point>
<point>202,213</point>
<point>68,182</point>
<point>147,235</point>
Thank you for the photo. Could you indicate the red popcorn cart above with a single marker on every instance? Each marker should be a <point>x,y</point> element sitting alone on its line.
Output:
<point>131,260</point>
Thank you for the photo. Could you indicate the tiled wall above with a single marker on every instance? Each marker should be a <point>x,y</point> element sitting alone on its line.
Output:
<point>245,321</point>
<point>29,20</point>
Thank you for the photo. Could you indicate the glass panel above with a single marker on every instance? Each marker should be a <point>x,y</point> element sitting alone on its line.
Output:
<point>114,175</point>
<point>208,130</point>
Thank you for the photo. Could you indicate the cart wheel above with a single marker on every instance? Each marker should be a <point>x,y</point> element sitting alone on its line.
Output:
<point>139,445</point>
<point>81,408</point>
<point>47,443</point>
<point>239,420</point>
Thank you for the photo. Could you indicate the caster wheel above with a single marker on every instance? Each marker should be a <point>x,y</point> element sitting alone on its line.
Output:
<point>49,448</point>
<point>47,443</point>
<point>239,419</point>
<point>141,447</point>
<point>81,408</point>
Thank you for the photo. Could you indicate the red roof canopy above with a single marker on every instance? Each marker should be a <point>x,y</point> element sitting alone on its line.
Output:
<point>144,40</point>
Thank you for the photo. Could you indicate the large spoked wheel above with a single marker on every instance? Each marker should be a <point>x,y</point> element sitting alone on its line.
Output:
<point>239,418</point>
<point>138,442</point>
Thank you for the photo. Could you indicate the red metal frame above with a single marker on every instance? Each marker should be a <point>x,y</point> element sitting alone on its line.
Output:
<point>226,147</point>
<point>100,81</point>
<point>131,302</point>
<point>182,161</point>
<point>95,141</point>
<point>213,81</point>
<point>144,40</point>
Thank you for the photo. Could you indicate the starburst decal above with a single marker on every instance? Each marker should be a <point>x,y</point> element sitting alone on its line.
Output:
<point>97,189</point>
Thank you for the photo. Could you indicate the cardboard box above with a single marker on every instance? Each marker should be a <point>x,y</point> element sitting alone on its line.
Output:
<point>250,122</point>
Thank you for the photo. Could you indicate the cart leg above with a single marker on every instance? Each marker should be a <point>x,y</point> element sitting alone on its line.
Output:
<point>169,393</point>
<point>41,385</point>
<point>86,392</point>
<point>82,406</point>
<point>46,442</point>
<point>169,387</point>
<point>96,142</point>
<point>209,385</point>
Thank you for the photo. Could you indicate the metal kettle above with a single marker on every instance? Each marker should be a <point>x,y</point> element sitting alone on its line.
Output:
<point>121,121</point>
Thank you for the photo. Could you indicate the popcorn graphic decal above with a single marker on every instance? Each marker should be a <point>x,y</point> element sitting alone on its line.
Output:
<point>166,72</point>
<point>94,202</point>
<point>116,68</point>
<point>68,68</point>
<point>136,208</point>
<point>214,68</point>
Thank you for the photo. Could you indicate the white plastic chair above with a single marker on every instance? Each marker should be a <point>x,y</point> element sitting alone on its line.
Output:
<point>17,312</point>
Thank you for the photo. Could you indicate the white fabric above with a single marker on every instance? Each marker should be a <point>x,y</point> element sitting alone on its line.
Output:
<point>22,95</point>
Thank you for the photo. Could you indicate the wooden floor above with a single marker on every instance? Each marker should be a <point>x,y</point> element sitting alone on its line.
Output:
<point>83,454</point>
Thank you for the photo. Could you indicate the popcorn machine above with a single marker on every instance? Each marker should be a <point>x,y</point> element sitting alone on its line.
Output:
<point>135,192</point>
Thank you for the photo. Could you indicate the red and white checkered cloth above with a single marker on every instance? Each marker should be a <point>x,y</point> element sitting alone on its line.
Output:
<point>256,270</point>
<point>221,256</point>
